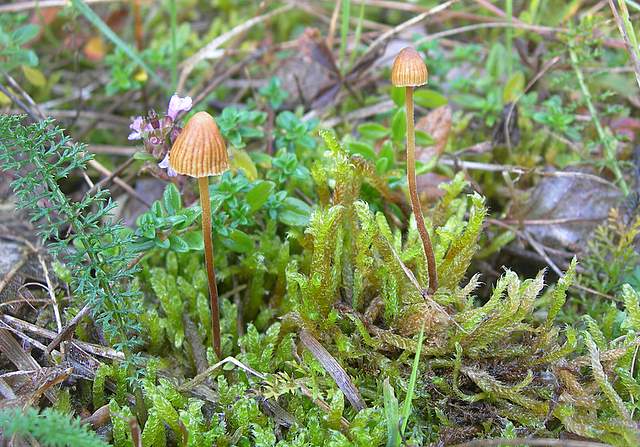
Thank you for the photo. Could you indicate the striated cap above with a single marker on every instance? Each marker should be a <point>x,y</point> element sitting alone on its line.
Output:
<point>408,69</point>
<point>199,150</point>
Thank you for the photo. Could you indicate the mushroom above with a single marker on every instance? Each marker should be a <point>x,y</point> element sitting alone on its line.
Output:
<point>409,71</point>
<point>200,151</point>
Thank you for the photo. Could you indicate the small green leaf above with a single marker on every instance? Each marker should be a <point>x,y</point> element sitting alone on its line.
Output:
<point>397,95</point>
<point>429,99</point>
<point>34,76</point>
<point>25,33</point>
<point>242,160</point>
<point>373,131</point>
<point>259,194</point>
<point>144,156</point>
<point>382,165</point>
<point>239,242</point>
<point>194,240</point>
<point>171,199</point>
<point>423,138</point>
<point>178,244</point>
<point>356,147</point>
<point>398,126</point>
<point>295,212</point>
<point>514,87</point>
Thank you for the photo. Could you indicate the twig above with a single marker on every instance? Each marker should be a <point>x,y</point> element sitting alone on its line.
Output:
<point>473,165</point>
<point>68,329</point>
<point>15,323</point>
<point>364,112</point>
<point>212,47</point>
<point>42,4</point>
<point>52,295</point>
<point>382,39</point>
<point>465,29</point>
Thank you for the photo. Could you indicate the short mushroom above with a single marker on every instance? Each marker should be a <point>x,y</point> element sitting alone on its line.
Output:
<point>409,71</point>
<point>200,151</point>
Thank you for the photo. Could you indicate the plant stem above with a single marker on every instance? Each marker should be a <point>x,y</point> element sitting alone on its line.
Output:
<point>606,140</point>
<point>205,203</point>
<point>413,193</point>
<point>344,30</point>
<point>174,44</point>
<point>509,36</point>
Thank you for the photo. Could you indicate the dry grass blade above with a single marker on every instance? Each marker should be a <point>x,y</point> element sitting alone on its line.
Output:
<point>334,369</point>
<point>17,324</point>
<point>41,4</point>
<point>197,380</point>
<point>211,48</point>
<point>474,165</point>
<point>67,331</point>
<point>16,355</point>
<point>6,391</point>
<point>382,39</point>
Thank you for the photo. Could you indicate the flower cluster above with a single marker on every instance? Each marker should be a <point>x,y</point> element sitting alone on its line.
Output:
<point>158,134</point>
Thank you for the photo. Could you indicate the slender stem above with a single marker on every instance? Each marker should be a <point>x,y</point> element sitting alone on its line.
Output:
<point>413,193</point>
<point>607,140</point>
<point>203,184</point>
<point>174,43</point>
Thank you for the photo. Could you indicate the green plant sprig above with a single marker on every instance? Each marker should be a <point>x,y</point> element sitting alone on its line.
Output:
<point>98,251</point>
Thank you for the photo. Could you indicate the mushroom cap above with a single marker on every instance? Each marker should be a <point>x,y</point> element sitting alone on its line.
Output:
<point>408,69</point>
<point>199,150</point>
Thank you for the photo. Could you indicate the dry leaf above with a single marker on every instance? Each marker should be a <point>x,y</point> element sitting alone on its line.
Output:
<point>34,76</point>
<point>95,49</point>
<point>436,123</point>
<point>564,210</point>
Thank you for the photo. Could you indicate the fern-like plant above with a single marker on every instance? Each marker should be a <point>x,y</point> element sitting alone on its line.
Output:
<point>50,428</point>
<point>83,234</point>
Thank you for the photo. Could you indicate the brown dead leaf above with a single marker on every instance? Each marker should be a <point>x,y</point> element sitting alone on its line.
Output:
<point>436,123</point>
<point>95,49</point>
<point>627,127</point>
<point>309,71</point>
<point>564,210</point>
<point>429,186</point>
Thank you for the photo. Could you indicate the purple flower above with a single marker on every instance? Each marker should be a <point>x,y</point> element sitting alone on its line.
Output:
<point>164,164</point>
<point>177,105</point>
<point>136,127</point>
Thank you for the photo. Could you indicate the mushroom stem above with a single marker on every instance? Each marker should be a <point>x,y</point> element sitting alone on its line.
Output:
<point>413,193</point>
<point>203,185</point>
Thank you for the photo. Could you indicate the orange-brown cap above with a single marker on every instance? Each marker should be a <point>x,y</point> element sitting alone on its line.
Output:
<point>408,69</point>
<point>199,150</point>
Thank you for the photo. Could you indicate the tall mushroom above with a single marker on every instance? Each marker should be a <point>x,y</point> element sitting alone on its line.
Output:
<point>409,71</point>
<point>200,151</point>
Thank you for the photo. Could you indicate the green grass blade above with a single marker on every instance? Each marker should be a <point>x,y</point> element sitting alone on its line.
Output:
<point>406,406</point>
<point>174,43</point>
<point>509,36</point>
<point>352,56</point>
<point>391,413</point>
<point>96,21</point>
<point>344,29</point>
